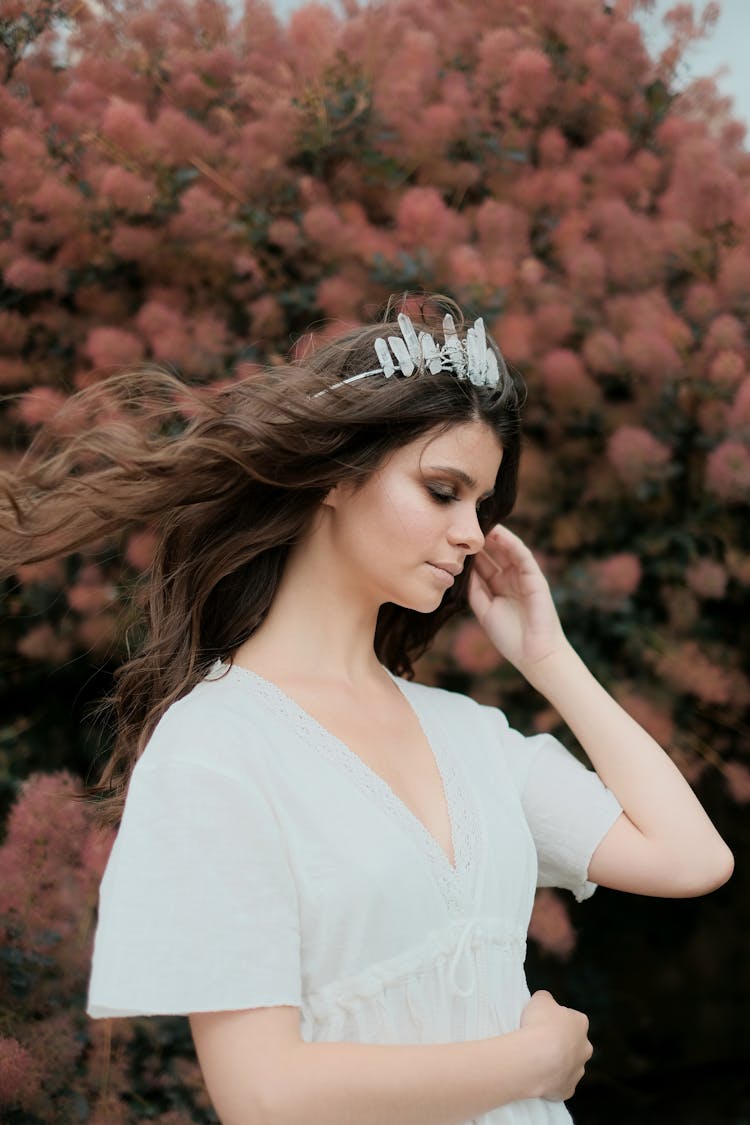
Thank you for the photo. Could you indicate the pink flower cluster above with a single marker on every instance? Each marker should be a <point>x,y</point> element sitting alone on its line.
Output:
<point>473,651</point>
<point>728,471</point>
<point>550,924</point>
<point>737,777</point>
<point>707,578</point>
<point>19,1079</point>
<point>636,455</point>
<point>566,381</point>
<point>612,581</point>
<point>688,669</point>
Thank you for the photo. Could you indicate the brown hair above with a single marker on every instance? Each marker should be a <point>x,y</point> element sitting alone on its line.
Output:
<point>227,494</point>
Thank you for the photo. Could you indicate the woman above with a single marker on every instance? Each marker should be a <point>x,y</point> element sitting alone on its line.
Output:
<point>329,867</point>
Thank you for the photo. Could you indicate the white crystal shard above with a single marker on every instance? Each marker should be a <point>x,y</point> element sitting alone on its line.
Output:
<point>474,359</point>
<point>401,352</point>
<point>431,353</point>
<point>453,346</point>
<point>386,360</point>
<point>410,337</point>
<point>493,371</point>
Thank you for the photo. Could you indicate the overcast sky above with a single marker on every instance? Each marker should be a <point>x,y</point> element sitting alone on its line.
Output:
<point>728,47</point>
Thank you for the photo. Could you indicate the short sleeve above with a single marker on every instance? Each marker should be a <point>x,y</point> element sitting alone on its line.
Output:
<point>568,807</point>
<point>198,909</point>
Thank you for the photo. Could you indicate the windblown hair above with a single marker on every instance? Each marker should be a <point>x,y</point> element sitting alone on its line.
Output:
<point>228,493</point>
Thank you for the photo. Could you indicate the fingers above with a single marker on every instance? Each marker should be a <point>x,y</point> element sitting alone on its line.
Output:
<point>494,574</point>
<point>500,531</point>
<point>506,550</point>
<point>480,597</point>
<point>498,566</point>
<point>486,565</point>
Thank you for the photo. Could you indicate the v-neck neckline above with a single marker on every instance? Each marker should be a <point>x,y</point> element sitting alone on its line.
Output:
<point>370,777</point>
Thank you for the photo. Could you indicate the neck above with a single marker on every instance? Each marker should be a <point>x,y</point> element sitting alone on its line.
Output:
<point>321,624</point>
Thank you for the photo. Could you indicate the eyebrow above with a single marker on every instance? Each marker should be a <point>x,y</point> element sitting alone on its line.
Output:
<point>459,474</point>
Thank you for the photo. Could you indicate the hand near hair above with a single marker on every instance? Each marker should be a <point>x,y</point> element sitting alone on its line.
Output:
<point>512,602</point>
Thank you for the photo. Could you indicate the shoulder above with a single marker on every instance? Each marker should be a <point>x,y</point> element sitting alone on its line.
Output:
<point>214,726</point>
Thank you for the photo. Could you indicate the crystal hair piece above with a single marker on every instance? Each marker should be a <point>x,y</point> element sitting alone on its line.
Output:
<point>470,359</point>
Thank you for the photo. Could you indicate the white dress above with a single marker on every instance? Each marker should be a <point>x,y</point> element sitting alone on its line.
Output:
<point>260,862</point>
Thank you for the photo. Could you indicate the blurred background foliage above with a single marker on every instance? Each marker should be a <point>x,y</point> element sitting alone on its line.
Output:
<point>213,191</point>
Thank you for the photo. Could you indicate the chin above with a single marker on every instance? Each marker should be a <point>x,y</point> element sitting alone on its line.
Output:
<point>421,604</point>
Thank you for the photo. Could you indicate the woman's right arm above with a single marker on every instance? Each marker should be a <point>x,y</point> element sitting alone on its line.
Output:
<point>259,1071</point>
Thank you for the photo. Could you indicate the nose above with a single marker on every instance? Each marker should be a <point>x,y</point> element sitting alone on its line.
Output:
<point>466,531</point>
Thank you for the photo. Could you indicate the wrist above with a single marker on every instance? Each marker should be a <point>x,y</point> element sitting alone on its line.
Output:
<point>552,668</point>
<point>539,1053</point>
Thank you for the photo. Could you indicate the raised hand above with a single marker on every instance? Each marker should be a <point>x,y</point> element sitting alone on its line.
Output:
<point>511,600</point>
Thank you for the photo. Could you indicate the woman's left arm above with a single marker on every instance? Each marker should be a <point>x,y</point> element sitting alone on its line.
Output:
<point>664,844</point>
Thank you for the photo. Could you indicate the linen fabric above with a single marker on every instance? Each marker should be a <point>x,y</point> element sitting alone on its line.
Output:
<point>261,862</point>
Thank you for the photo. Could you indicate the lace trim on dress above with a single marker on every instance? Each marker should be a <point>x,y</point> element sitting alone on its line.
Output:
<point>465,823</point>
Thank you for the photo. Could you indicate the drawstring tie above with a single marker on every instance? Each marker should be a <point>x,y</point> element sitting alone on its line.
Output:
<point>464,947</point>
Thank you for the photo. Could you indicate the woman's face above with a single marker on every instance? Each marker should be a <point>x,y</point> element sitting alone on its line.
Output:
<point>404,534</point>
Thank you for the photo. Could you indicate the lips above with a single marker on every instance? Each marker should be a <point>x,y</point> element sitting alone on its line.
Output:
<point>451,568</point>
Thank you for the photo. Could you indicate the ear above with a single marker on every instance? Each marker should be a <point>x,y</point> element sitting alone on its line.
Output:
<point>336,494</point>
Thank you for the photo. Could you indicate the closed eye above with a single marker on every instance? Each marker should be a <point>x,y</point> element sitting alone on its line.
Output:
<point>442,497</point>
<point>446,497</point>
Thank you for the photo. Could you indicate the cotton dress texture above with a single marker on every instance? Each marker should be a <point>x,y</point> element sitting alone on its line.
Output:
<point>261,862</point>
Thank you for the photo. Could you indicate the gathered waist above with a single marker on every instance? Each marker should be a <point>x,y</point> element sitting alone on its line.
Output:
<point>465,977</point>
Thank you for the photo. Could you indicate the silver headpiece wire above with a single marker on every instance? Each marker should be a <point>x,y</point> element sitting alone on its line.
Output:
<point>470,359</point>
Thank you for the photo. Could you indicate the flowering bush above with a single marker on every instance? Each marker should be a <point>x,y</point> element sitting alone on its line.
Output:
<point>57,1066</point>
<point>194,193</point>
<point>181,186</point>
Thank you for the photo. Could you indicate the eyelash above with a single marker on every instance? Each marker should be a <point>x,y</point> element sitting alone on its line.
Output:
<point>441,497</point>
<point>446,497</point>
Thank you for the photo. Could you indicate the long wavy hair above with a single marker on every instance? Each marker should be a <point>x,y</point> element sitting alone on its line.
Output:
<point>229,482</point>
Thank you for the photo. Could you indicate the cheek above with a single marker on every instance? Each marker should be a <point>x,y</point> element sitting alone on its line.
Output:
<point>407,516</point>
